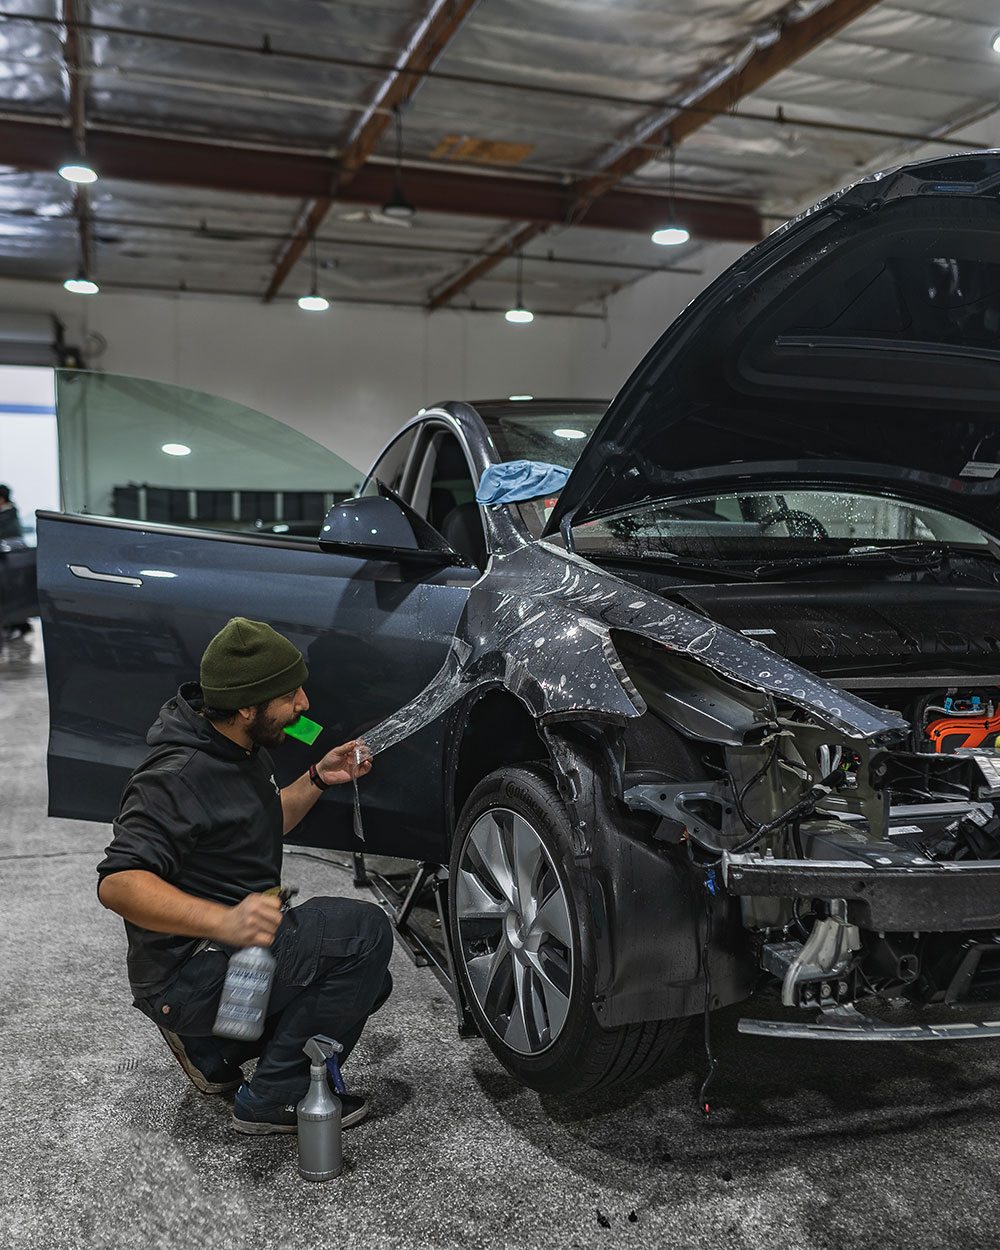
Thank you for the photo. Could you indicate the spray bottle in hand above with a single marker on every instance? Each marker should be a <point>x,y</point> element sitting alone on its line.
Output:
<point>245,994</point>
<point>246,990</point>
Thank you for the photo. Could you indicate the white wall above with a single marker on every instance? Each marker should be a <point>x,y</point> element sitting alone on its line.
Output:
<point>349,377</point>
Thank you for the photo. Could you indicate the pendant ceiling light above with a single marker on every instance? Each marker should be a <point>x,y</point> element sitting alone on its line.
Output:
<point>397,205</point>
<point>672,234</point>
<point>78,172</point>
<point>314,302</point>
<point>519,315</point>
<point>81,285</point>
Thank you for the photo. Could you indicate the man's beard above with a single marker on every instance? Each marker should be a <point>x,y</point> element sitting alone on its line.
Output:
<point>268,730</point>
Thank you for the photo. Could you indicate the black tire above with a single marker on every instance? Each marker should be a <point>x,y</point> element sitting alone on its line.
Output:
<point>500,945</point>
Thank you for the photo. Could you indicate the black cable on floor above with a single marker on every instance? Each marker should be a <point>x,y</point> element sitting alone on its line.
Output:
<point>323,859</point>
<point>713,1063</point>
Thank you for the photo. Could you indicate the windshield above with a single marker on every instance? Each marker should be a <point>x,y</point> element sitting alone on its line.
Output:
<point>753,525</point>
<point>556,435</point>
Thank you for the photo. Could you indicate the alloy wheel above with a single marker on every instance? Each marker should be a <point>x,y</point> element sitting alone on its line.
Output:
<point>515,931</point>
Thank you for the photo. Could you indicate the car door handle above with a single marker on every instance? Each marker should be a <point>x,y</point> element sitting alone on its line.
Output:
<point>81,570</point>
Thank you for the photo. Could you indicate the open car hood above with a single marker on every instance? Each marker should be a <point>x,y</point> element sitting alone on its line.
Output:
<point>858,344</point>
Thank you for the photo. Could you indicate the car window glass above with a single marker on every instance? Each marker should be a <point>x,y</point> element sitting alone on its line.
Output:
<point>391,465</point>
<point>444,493</point>
<point>421,474</point>
<point>151,451</point>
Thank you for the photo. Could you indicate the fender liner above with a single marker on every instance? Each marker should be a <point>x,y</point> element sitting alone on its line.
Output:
<point>648,904</point>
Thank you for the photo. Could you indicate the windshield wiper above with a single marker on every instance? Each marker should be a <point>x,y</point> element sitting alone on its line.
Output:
<point>668,560</point>
<point>905,555</point>
<point>915,556</point>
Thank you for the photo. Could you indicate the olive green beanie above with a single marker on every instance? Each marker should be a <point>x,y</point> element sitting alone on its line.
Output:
<point>247,663</point>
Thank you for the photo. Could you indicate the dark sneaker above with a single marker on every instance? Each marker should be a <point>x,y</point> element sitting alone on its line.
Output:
<point>255,1116</point>
<point>353,1109</point>
<point>202,1064</point>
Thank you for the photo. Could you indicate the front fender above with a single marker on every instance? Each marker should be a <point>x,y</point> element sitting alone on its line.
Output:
<point>540,622</point>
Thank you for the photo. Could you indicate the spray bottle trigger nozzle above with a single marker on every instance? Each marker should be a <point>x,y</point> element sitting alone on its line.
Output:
<point>320,1048</point>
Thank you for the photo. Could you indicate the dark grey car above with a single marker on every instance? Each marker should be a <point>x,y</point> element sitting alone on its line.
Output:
<point>725,710</point>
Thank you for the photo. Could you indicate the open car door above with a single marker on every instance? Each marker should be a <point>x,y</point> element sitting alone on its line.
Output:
<point>183,510</point>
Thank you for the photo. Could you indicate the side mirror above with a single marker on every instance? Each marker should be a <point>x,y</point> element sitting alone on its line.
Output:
<point>382,527</point>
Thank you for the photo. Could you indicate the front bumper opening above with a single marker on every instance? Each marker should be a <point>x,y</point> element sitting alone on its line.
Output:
<point>926,897</point>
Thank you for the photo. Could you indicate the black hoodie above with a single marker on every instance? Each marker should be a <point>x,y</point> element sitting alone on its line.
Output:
<point>202,813</point>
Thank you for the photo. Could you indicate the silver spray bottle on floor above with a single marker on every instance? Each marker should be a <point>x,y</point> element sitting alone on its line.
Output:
<point>321,1155</point>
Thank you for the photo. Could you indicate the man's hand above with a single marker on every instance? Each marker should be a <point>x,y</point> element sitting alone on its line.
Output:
<point>344,763</point>
<point>253,922</point>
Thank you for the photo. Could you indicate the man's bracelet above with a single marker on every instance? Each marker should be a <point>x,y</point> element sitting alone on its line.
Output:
<point>316,779</point>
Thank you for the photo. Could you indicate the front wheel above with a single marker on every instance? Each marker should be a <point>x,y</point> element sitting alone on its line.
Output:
<point>523,942</point>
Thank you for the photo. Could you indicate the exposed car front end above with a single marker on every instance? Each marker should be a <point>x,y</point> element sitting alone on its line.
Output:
<point>860,866</point>
<point>806,469</point>
<point>746,660</point>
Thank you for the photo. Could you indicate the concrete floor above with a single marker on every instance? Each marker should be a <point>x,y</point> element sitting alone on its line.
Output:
<point>105,1144</point>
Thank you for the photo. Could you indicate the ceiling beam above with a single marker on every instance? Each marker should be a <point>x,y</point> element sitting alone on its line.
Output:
<point>671,127</point>
<point>435,33</point>
<point>386,246</point>
<point>792,43</point>
<point>41,146</point>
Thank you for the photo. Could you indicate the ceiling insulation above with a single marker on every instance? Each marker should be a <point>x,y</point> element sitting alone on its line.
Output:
<point>500,119</point>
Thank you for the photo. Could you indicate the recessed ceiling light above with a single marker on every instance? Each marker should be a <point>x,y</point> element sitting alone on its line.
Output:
<point>81,286</point>
<point>670,236</point>
<point>569,433</point>
<point>520,397</point>
<point>176,449</point>
<point>313,303</point>
<point>77,173</point>
<point>995,42</point>
<point>519,316</point>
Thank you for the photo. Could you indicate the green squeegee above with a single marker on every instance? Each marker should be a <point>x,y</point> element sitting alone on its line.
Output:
<point>305,730</point>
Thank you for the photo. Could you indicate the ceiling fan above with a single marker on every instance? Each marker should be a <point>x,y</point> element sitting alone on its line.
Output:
<point>397,210</point>
<point>377,217</point>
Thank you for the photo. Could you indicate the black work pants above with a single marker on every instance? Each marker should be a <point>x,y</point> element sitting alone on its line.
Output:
<point>332,972</point>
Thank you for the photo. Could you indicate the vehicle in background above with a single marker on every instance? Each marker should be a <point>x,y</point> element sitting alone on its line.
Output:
<point>18,585</point>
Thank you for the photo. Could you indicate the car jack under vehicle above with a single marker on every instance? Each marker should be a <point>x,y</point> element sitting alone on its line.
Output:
<point>424,950</point>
